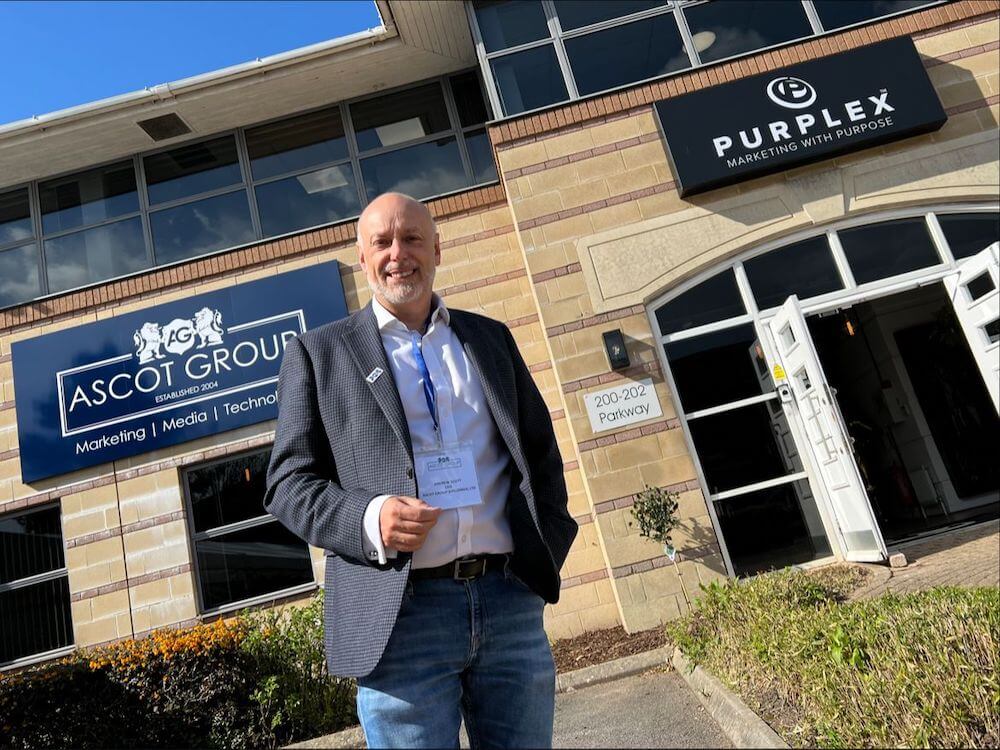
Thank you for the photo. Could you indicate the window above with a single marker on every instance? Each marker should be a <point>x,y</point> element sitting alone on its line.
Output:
<point>92,226</point>
<point>19,279</point>
<point>805,269</point>
<point>887,249</point>
<point>711,300</point>
<point>34,590</point>
<point>836,13</point>
<point>240,551</point>
<point>536,53</point>
<point>967,234</point>
<point>721,30</point>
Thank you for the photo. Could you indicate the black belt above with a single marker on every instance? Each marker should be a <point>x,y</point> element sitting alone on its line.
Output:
<point>462,569</point>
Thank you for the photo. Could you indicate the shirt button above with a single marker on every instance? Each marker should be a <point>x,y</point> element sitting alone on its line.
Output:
<point>464,537</point>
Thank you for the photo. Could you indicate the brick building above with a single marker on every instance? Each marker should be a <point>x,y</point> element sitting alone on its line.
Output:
<point>543,134</point>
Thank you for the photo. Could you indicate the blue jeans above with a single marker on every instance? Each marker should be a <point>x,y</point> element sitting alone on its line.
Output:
<point>472,649</point>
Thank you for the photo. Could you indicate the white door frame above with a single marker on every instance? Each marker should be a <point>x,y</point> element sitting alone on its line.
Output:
<point>851,294</point>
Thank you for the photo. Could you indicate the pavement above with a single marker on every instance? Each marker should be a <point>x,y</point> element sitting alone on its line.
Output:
<point>654,708</point>
<point>964,557</point>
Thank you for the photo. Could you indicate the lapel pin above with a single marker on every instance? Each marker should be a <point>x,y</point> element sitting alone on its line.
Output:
<point>374,375</point>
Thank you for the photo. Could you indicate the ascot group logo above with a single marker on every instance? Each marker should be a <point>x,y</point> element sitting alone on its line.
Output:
<point>178,335</point>
<point>791,93</point>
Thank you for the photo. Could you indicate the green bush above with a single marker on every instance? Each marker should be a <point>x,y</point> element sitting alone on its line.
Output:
<point>898,671</point>
<point>258,681</point>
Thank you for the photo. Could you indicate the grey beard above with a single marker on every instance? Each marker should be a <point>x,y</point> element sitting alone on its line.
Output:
<point>400,295</point>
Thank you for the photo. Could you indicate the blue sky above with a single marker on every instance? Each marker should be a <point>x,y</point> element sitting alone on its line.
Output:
<point>59,54</point>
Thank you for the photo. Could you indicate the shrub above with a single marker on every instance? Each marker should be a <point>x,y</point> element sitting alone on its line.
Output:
<point>917,670</point>
<point>257,681</point>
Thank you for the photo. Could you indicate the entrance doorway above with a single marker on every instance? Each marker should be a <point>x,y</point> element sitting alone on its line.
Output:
<point>920,420</point>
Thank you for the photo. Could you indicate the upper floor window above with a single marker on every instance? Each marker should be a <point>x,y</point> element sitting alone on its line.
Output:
<point>536,53</point>
<point>232,189</point>
<point>34,590</point>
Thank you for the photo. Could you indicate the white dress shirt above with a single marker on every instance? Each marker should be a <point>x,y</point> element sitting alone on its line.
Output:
<point>464,418</point>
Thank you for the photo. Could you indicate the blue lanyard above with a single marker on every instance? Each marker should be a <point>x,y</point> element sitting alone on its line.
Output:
<point>425,376</point>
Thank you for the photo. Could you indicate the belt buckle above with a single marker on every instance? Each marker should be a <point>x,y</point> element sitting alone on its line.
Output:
<point>475,569</point>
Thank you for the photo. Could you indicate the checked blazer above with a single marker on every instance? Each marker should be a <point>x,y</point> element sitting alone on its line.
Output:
<point>342,439</point>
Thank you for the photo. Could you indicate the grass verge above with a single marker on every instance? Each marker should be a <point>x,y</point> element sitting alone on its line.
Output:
<point>919,670</point>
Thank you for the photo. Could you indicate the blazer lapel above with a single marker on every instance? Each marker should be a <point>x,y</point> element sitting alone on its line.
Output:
<point>364,342</point>
<point>484,362</point>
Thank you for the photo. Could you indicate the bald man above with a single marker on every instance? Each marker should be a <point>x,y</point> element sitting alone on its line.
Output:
<point>414,448</point>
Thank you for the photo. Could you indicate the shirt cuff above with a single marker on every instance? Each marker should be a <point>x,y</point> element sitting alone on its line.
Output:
<point>371,538</point>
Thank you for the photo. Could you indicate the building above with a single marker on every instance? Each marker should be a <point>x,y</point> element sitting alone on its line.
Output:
<point>784,213</point>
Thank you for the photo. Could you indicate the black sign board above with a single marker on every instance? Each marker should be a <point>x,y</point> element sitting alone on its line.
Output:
<point>798,115</point>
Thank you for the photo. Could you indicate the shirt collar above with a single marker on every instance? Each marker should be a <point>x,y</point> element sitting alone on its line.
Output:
<point>386,319</point>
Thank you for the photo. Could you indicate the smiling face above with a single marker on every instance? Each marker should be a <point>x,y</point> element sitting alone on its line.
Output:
<point>399,252</point>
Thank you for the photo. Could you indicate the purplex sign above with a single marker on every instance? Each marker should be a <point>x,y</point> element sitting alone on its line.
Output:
<point>163,375</point>
<point>798,115</point>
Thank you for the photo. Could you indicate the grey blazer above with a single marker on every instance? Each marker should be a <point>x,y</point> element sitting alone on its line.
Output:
<point>341,440</point>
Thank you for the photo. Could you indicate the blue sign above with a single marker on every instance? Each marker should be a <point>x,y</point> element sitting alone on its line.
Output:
<point>164,375</point>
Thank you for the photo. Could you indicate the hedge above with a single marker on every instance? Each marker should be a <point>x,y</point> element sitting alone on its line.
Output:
<point>255,681</point>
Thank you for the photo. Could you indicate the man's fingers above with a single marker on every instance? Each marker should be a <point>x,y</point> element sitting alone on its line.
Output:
<point>410,513</point>
<point>411,527</point>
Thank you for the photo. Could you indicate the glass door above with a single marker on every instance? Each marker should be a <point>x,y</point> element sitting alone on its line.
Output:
<point>808,399</point>
<point>974,293</point>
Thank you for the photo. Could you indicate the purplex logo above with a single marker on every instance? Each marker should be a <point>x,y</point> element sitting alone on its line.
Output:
<point>791,93</point>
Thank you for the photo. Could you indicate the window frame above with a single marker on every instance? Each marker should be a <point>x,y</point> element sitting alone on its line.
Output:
<point>50,575</point>
<point>194,537</point>
<point>247,183</point>
<point>677,7</point>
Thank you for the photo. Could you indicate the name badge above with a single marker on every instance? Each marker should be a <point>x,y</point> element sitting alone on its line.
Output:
<point>446,478</point>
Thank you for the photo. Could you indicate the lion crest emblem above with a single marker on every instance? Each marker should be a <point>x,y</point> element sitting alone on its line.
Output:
<point>179,335</point>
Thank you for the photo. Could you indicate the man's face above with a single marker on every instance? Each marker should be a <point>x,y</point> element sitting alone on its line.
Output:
<point>399,250</point>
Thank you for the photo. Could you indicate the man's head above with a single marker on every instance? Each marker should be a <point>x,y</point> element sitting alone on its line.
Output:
<point>399,251</point>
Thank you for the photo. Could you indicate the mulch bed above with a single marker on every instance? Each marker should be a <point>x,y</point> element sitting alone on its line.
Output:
<point>600,646</point>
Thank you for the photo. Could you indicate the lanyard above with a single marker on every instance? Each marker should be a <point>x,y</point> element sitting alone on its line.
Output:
<point>425,376</point>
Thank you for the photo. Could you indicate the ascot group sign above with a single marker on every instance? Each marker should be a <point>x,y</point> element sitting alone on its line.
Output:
<point>798,115</point>
<point>164,375</point>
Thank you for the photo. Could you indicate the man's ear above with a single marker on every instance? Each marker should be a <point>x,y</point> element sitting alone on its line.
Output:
<point>437,249</point>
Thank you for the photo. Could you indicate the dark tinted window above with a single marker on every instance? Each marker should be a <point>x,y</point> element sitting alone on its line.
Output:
<point>401,117</point>
<point>421,171</point>
<point>30,543</point>
<point>15,219</point>
<point>252,562</point>
<point>88,198</point>
<point>508,23</point>
<point>743,446</point>
<point>806,269</point>
<point>980,286</point>
<point>624,54</point>
<point>201,227</point>
<point>967,234</point>
<point>469,99</point>
<point>887,249</point>
<point>90,255</point>
<point>19,275</point>
<point>714,299</point>
<point>35,619</point>
<point>529,80</point>
<point>722,29</point>
<point>772,528</point>
<point>484,168</point>
<point>296,144</point>
<point>574,14</point>
<point>228,492</point>
<point>717,368</point>
<point>192,170</point>
<point>836,13</point>
<point>307,200</point>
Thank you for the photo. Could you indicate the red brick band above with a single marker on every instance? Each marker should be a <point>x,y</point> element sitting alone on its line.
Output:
<point>623,437</point>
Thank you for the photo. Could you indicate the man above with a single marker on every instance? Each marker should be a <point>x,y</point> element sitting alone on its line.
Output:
<point>414,447</point>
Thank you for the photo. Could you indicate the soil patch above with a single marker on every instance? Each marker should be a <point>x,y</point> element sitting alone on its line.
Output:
<point>599,646</point>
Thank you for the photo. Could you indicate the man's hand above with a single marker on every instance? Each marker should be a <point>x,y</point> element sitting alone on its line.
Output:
<point>405,521</point>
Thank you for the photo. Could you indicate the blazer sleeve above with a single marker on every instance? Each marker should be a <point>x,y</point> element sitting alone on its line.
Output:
<point>303,491</point>
<point>545,463</point>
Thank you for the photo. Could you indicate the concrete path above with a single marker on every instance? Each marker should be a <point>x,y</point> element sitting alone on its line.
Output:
<point>965,557</point>
<point>650,709</point>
